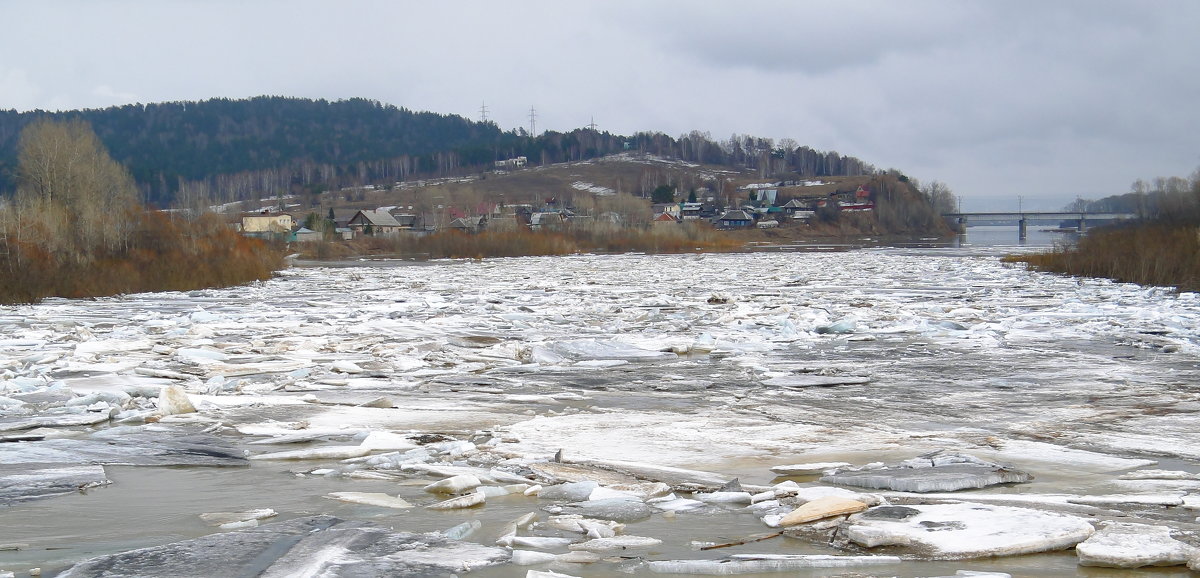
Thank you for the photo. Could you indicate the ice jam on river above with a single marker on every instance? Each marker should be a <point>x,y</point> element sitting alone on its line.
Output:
<point>895,412</point>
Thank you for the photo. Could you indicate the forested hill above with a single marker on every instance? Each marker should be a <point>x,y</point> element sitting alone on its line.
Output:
<point>224,149</point>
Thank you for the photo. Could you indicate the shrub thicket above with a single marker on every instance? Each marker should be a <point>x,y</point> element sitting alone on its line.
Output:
<point>521,242</point>
<point>164,253</point>
<point>1161,254</point>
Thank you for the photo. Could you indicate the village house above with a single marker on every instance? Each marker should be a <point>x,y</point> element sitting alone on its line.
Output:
<point>513,163</point>
<point>469,224</point>
<point>690,211</point>
<point>304,235</point>
<point>672,209</point>
<point>798,210</point>
<point>267,224</point>
<point>664,219</point>
<point>409,222</point>
<point>551,220</point>
<point>735,219</point>
<point>377,223</point>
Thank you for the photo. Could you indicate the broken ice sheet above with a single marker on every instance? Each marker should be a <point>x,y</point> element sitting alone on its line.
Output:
<point>314,546</point>
<point>940,473</point>
<point>131,445</point>
<point>20,483</point>
<point>964,530</point>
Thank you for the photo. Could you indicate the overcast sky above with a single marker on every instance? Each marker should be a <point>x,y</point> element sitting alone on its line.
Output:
<point>1047,100</point>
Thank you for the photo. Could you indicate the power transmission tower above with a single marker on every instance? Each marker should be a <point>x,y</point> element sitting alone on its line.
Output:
<point>532,121</point>
<point>593,125</point>
<point>483,112</point>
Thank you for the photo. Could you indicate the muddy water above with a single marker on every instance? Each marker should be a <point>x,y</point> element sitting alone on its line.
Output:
<point>1085,374</point>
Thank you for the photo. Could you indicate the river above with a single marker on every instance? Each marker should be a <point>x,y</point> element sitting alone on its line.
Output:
<point>674,360</point>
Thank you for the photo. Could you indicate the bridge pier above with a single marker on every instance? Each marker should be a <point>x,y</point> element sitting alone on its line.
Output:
<point>962,225</point>
<point>1082,225</point>
<point>1022,229</point>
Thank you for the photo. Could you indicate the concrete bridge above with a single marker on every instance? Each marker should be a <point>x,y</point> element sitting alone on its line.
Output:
<point>1022,218</point>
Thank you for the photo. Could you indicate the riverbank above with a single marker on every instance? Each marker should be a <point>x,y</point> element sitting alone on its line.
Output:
<point>1159,254</point>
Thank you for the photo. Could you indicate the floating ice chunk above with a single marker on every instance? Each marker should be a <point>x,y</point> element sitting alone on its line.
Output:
<point>529,557</point>
<point>463,530</point>
<point>965,530</point>
<point>1027,451</point>
<point>603,493</point>
<point>724,497</point>
<point>53,420</point>
<point>547,574</point>
<point>88,349</point>
<point>221,518</point>
<point>509,531</point>
<point>617,510</point>
<point>841,326</point>
<point>19,483</point>
<point>172,400</point>
<point>492,476</point>
<point>592,349</point>
<point>343,366</point>
<point>112,398</point>
<point>539,542</point>
<point>811,468</point>
<point>319,453</point>
<point>579,524</point>
<point>751,564</point>
<point>1159,475</point>
<point>202,316</point>
<point>677,504</point>
<point>199,355</point>
<point>370,499</point>
<point>497,491</point>
<point>315,546</point>
<point>1156,499</point>
<point>643,490</point>
<point>947,474</point>
<point>1125,545</point>
<point>466,501</point>
<point>454,485</point>
<point>571,491</point>
<point>617,543</point>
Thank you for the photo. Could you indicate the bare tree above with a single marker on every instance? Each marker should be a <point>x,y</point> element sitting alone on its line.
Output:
<point>941,197</point>
<point>72,191</point>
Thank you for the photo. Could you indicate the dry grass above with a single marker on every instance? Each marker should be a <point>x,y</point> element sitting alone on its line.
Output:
<point>515,243</point>
<point>1148,254</point>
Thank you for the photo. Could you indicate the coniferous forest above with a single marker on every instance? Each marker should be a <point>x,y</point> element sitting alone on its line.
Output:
<point>226,150</point>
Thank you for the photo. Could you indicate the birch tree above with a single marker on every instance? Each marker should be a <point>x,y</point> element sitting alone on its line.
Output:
<point>75,197</point>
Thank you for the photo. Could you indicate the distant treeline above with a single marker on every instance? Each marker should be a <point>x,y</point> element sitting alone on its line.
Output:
<point>225,150</point>
<point>1175,199</point>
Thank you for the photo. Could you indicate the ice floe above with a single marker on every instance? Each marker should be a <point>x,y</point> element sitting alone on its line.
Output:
<point>320,545</point>
<point>1125,545</point>
<point>965,530</point>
